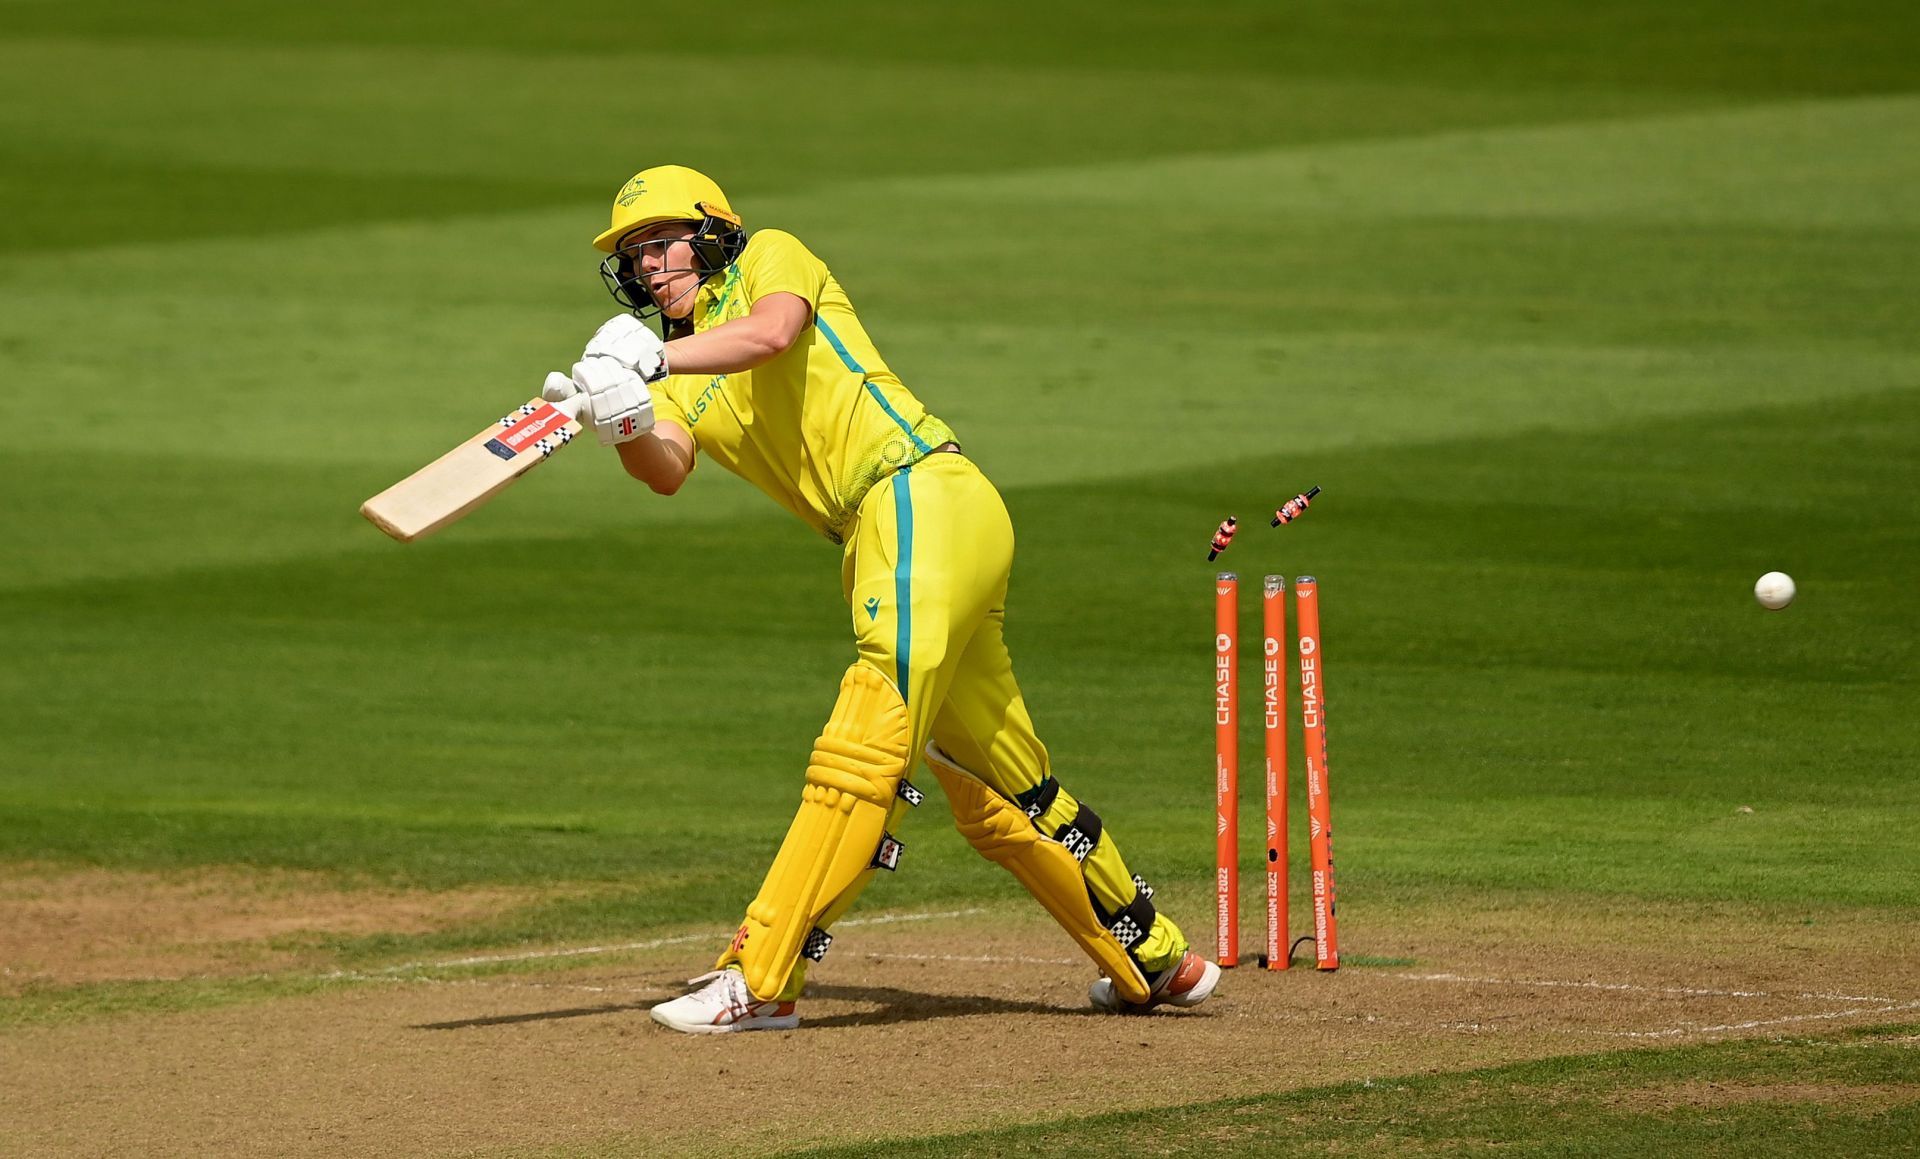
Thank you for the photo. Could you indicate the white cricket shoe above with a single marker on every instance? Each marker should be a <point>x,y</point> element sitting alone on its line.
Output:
<point>722,1006</point>
<point>1187,984</point>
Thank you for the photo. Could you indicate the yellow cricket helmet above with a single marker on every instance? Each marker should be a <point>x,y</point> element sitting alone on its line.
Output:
<point>666,193</point>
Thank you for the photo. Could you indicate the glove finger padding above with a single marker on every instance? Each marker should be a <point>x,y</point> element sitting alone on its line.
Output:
<point>596,375</point>
<point>558,387</point>
<point>627,341</point>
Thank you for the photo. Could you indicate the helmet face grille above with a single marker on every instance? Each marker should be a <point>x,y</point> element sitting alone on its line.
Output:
<point>716,242</point>
<point>623,282</point>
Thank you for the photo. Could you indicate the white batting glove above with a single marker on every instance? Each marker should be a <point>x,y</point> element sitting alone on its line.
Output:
<point>626,340</point>
<point>619,405</point>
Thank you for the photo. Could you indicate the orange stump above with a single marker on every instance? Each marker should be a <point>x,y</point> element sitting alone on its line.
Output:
<point>1273,665</point>
<point>1313,730</point>
<point>1226,762</point>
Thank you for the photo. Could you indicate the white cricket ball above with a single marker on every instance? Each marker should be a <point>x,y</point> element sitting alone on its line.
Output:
<point>1774,590</point>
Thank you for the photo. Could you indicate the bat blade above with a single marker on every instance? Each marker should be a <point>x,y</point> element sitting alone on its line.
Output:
<point>475,471</point>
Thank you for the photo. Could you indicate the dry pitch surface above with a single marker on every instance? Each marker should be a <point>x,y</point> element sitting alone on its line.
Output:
<point>958,1020</point>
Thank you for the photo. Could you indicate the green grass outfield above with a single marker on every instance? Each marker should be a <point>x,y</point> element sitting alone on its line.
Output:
<point>1850,1094</point>
<point>1583,315</point>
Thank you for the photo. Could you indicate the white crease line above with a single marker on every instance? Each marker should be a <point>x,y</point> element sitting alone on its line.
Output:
<point>496,984</point>
<point>1831,1014</point>
<point>652,944</point>
<point>1616,986</point>
<point>973,958</point>
<point>536,955</point>
<point>1884,1005</point>
<point>1625,986</point>
<point>889,919</point>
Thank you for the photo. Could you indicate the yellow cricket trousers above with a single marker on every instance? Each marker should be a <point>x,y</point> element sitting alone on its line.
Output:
<point>925,576</point>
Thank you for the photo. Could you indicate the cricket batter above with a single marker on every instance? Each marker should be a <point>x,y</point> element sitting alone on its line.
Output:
<point>766,369</point>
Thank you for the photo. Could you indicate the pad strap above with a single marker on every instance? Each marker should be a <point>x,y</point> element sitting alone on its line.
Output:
<point>1081,834</point>
<point>1135,920</point>
<point>1040,798</point>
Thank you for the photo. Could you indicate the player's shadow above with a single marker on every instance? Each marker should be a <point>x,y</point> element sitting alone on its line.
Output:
<point>896,1006</point>
<point>893,1006</point>
<point>533,1016</point>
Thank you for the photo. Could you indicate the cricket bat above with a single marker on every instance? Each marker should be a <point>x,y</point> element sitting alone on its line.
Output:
<point>476,470</point>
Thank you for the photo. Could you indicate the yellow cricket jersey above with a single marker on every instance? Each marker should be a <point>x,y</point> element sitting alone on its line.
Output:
<point>817,426</point>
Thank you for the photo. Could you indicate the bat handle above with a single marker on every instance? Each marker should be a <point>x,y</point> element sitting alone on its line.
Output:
<point>572,405</point>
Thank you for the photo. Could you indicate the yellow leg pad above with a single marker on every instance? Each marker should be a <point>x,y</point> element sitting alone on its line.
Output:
<point>1001,831</point>
<point>852,779</point>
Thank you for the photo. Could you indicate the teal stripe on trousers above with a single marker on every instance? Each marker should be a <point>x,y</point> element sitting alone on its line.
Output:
<point>903,580</point>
